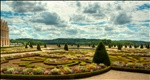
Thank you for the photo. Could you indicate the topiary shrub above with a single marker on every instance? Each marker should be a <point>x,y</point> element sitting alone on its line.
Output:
<point>93,46</point>
<point>26,46</point>
<point>30,44</point>
<point>109,46</point>
<point>141,46</point>
<point>78,45</point>
<point>119,46</point>
<point>45,46</point>
<point>125,46</point>
<point>130,46</point>
<point>38,47</point>
<point>89,45</point>
<point>135,46</point>
<point>147,46</point>
<point>58,45</point>
<point>66,47</point>
<point>101,55</point>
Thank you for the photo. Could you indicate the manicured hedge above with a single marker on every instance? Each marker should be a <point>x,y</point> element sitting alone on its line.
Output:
<point>130,69</point>
<point>66,76</point>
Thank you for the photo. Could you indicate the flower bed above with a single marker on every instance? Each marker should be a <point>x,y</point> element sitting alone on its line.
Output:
<point>131,54</point>
<point>62,76</point>
<point>63,72</point>
<point>65,68</point>
<point>130,66</point>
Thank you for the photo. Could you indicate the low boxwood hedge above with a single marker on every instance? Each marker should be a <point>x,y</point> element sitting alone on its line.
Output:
<point>130,69</point>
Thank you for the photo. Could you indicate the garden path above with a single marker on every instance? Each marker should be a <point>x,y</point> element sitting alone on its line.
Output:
<point>19,53</point>
<point>119,75</point>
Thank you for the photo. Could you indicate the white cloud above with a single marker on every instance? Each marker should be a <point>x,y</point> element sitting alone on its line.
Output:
<point>103,19</point>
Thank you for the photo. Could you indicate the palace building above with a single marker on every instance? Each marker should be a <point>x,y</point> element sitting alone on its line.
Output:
<point>4,29</point>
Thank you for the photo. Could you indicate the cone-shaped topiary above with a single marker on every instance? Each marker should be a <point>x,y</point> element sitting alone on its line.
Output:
<point>89,45</point>
<point>147,46</point>
<point>66,47</point>
<point>93,46</point>
<point>45,46</point>
<point>130,46</point>
<point>30,44</point>
<point>26,46</point>
<point>38,47</point>
<point>125,46</point>
<point>101,55</point>
<point>135,45</point>
<point>109,46</point>
<point>59,45</point>
<point>78,45</point>
<point>141,46</point>
<point>119,46</point>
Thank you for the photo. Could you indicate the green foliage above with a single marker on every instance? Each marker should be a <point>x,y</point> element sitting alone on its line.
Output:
<point>106,41</point>
<point>93,46</point>
<point>78,45</point>
<point>26,46</point>
<point>109,46</point>
<point>66,47</point>
<point>59,45</point>
<point>45,46</point>
<point>101,55</point>
<point>38,47</point>
<point>141,46</point>
<point>147,46</point>
<point>30,44</point>
<point>135,45</point>
<point>89,45</point>
<point>119,46</point>
<point>130,46</point>
<point>114,45</point>
<point>125,46</point>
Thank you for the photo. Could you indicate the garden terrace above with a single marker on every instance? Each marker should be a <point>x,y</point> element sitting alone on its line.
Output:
<point>70,64</point>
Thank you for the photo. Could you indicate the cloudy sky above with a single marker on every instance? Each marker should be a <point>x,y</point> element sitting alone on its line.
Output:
<point>116,20</point>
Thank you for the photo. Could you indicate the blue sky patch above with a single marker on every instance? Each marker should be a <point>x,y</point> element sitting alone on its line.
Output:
<point>145,25</point>
<point>9,14</point>
<point>146,21</point>
<point>144,6</point>
<point>80,24</point>
<point>131,26</point>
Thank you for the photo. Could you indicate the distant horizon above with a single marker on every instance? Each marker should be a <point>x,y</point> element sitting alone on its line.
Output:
<point>115,20</point>
<point>77,38</point>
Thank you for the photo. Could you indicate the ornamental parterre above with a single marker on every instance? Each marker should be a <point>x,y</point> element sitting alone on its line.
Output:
<point>55,70</point>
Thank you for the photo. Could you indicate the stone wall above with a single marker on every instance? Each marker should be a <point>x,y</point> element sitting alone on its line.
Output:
<point>4,38</point>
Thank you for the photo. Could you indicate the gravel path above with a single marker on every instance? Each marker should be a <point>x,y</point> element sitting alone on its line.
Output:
<point>119,75</point>
<point>19,53</point>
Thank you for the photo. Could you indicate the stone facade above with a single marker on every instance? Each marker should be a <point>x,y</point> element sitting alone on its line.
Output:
<point>4,29</point>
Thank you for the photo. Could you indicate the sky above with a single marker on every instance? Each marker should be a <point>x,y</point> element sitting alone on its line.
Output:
<point>115,20</point>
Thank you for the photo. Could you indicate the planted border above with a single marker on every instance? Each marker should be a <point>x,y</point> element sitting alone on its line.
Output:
<point>65,76</point>
<point>130,69</point>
